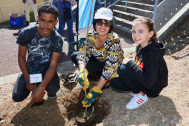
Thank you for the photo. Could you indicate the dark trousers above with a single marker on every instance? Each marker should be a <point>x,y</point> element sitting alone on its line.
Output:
<point>94,67</point>
<point>127,81</point>
<point>20,92</point>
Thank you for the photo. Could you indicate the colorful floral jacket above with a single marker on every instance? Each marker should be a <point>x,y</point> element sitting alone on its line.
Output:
<point>111,53</point>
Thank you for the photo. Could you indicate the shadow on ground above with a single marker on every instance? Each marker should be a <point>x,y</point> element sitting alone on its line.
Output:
<point>39,115</point>
<point>158,111</point>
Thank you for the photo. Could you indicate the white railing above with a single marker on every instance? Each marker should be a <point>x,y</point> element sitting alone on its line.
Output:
<point>112,4</point>
<point>169,12</point>
<point>165,12</point>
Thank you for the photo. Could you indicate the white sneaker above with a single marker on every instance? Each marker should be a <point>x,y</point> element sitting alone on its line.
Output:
<point>137,101</point>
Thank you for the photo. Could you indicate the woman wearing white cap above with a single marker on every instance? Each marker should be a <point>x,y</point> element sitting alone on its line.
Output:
<point>103,56</point>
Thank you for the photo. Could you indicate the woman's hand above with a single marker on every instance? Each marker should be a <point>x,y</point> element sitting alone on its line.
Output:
<point>83,80</point>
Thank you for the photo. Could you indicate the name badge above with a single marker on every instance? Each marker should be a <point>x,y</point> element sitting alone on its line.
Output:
<point>35,78</point>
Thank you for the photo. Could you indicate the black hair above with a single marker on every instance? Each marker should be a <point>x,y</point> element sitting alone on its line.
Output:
<point>48,8</point>
<point>149,22</point>
<point>111,24</point>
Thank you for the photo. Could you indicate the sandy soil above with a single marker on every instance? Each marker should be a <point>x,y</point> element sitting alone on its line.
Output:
<point>169,109</point>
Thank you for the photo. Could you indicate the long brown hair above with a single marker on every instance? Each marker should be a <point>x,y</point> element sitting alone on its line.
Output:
<point>149,22</point>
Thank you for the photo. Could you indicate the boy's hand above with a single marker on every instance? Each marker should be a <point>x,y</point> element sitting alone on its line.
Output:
<point>83,81</point>
<point>92,96</point>
<point>37,95</point>
<point>30,87</point>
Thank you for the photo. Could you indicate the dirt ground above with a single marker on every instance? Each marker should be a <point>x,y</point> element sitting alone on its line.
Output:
<point>171,108</point>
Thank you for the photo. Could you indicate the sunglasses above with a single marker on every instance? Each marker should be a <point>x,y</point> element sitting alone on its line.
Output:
<point>100,23</point>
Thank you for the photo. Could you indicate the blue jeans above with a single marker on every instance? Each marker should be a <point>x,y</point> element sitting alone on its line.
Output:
<point>20,92</point>
<point>69,25</point>
<point>55,3</point>
<point>97,5</point>
<point>127,81</point>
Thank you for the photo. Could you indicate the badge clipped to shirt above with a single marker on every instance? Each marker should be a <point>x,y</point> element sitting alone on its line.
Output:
<point>35,78</point>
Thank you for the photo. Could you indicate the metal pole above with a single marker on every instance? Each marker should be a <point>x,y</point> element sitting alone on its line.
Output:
<point>85,114</point>
<point>113,4</point>
<point>104,3</point>
<point>77,24</point>
<point>125,5</point>
<point>155,9</point>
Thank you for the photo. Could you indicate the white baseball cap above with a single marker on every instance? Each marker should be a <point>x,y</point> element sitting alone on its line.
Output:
<point>104,13</point>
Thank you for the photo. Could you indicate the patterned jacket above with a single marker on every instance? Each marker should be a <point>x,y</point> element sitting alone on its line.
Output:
<point>111,53</point>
